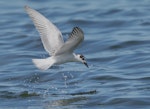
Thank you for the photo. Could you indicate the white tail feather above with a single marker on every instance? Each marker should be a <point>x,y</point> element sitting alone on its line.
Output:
<point>43,64</point>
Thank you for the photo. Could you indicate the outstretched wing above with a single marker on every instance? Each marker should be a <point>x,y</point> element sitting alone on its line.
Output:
<point>50,35</point>
<point>75,38</point>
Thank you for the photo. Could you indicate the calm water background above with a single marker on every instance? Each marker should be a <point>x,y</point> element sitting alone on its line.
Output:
<point>117,47</point>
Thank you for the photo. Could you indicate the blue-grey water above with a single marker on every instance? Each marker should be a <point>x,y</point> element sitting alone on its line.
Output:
<point>116,45</point>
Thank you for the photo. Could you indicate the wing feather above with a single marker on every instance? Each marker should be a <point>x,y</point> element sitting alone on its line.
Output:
<point>75,38</point>
<point>50,35</point>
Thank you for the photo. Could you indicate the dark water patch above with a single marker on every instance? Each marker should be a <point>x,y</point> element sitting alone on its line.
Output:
<point>115,23</point>
<point>84,93</point>
<point>133,13</point>
<point>143,78</point>
<point>65,102</point>
<point>100,24</point>
<point>79,93</point>
<point>103,59</point>
<point>145,23</point>
<point>134,101</point>
<point>13,15</point>
<point>27,94</point>
<point>129,44</point>
<point>12,95</point>
<point>77,22</point>
<point>113,11</point>
<point>137,60</point>
<point>110,12</point>
<point>108,77</point>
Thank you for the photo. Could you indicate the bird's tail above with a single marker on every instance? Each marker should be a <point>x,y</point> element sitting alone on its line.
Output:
<point>43,64</point>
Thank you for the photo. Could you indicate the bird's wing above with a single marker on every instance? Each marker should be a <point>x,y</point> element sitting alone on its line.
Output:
<point>50,35</point>
<point>75,38</point>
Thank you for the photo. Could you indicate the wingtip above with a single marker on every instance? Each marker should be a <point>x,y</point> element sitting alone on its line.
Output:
<point>77,28</point>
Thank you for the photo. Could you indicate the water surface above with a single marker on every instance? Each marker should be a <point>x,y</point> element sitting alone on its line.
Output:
<point>117,48</point>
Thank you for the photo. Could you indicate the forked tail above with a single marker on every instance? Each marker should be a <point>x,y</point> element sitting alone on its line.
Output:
<point>43,64</point>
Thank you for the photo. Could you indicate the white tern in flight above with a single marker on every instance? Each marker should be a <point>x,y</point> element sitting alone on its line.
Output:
<point>60,51</point>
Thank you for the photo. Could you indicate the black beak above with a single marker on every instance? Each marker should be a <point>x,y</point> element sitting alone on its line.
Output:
<point>85,63</point>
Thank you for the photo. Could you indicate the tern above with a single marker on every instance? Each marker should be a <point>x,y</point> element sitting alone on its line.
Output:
<point>60,52</point>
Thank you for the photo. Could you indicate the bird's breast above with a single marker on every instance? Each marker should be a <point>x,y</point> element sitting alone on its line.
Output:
<point>60,59</point>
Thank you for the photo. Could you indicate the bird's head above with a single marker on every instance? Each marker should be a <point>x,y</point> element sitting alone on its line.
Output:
<point>81,58</point>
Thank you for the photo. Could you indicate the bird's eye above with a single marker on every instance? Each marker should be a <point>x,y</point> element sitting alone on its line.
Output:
<point>81,56</point>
